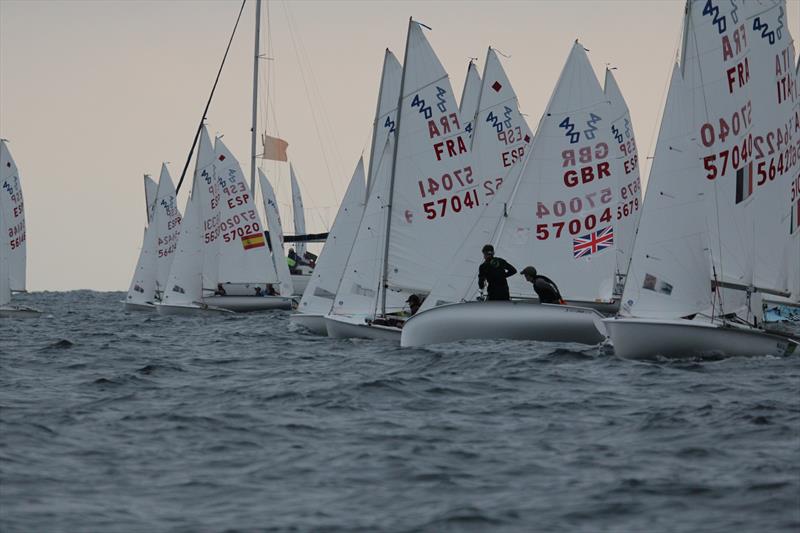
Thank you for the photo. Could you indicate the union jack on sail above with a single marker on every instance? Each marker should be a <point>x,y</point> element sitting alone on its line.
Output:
<point>593,242</point>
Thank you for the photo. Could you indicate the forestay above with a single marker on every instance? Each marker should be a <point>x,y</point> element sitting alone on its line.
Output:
<point>670,267</point>
<point>298,212</point>
<point>243,252</point>
<point>275,236</point>
<point>625,162</point>
<point>321,290</point>
<point>385,112</point>
<point>12,209</point>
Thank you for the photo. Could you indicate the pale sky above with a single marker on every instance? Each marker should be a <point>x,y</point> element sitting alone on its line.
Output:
<point>94,94</point>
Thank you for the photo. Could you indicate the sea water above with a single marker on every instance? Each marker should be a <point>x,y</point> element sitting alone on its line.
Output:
<point>125,422</point>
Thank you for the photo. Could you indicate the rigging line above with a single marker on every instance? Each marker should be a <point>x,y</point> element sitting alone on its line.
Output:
<point>210,96</point>
<point>308,97</point>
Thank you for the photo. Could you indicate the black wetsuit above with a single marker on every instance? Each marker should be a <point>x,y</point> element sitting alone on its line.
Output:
<point>547,290</point>
<point>494,273</point>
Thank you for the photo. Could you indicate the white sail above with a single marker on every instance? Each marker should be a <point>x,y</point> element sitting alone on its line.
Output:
<point>468,105</point>
<point>206,192</point>
<point>716,69</point>
<point>243,252</point>
<point>625,161</point>
<point>185,280</point>
<point>669,275</point>
<point>150,191</point>
<point>143,284</point>
<point>5,273</point>
<point>276,236</point>
<point>561,217</point>
<point>166,222</point>
<point>436,195</point>
<point>772,110</point>
<point>298,212</point>
<point>385,112</point>
<point>12,208</point>
<point>357,292</point>
<point>793,257</point>
<point>321,290</point>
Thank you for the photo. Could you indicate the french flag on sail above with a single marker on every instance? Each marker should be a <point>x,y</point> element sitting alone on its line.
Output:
<point>593,242</point>
<point>744,183</point>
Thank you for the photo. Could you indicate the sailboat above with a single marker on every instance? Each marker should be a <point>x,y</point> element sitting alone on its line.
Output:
<point>694,261</point>
<point>320,293</point>
<point>195,268</point>
<point>158,246</point>
<point>422,200</point>
<point>555,208</point>
<point>244,259</point>
<point>301,272</point>
<point>276,237</point>
<point>13,249</point>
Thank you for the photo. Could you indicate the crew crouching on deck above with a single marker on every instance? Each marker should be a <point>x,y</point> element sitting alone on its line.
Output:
<point>545,288</point>
<point>492,274</point>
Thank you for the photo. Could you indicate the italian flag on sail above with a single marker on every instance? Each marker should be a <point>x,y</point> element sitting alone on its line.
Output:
<point>254,240</point>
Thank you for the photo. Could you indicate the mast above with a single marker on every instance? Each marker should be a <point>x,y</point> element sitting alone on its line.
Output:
<point>375,124</point>
<point>385,275</point>
<point>254,121</point>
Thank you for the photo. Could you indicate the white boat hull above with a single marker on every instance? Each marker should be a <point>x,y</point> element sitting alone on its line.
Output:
<point>131,306</point>
<point>313,323</point>
<point>638,338</point>
<point>503,320</point>
<point>348,327</point>
<point>18,311</point>
<point>243,304</point>
<point>299,283</point>
<point>189,310</point>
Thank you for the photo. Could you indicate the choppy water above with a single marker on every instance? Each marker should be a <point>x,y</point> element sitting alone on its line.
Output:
<point>131,422</point>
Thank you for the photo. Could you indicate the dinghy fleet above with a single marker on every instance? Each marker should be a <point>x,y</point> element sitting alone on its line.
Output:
<point>685,270</point>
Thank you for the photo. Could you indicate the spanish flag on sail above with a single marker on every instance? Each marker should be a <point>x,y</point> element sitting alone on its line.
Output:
<point>254,240</point>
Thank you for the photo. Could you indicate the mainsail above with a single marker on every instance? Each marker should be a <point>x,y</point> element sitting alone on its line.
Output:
<point>468,105</point>
<point>243,251</point>
<point>386,111</point>
<point>167,224</point>
<point>626,169</point>
<point>12,209</point>
<point>150,191</point>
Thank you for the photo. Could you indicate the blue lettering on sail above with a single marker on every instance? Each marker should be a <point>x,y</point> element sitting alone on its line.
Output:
<point>713,11</point>
<point>494,121</point>
<point>440,98</point>
<point>389,124</point>
<point>574,136</point>
<point>507,121</point>
<point>420,103</point>
<point>593,119</point>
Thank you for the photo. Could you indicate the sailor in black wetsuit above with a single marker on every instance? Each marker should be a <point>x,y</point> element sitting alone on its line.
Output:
<point>493,273</point>
<point>545,288</point>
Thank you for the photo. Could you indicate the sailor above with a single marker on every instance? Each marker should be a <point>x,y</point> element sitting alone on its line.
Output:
<point>493,273</point>
<point>271,290</point>
<point>292,260</point>
<point>545,288</point>
<point>259,292</point>
<point>220,290</point>
<point>414,302</point>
